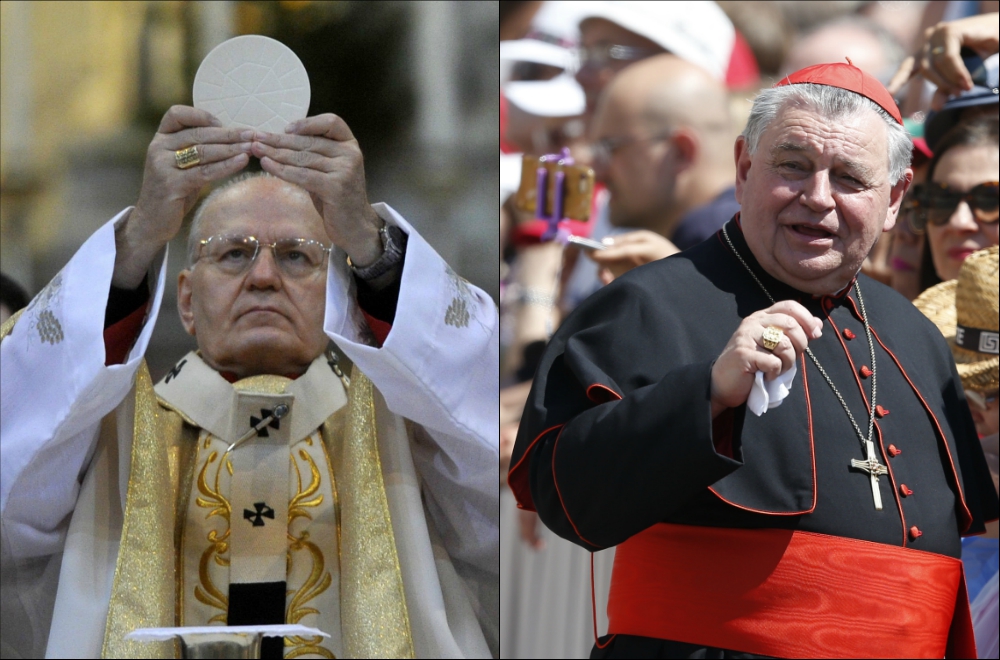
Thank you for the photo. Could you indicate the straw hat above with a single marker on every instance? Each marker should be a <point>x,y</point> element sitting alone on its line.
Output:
<point>966,311</point>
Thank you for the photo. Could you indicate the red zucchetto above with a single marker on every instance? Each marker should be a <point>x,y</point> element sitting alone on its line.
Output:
<point>845,76</point>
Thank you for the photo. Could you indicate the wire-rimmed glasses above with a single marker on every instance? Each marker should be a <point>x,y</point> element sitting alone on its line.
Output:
<point>234,254</point>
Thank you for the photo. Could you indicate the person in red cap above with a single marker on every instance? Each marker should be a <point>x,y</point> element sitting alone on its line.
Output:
<point>778,446</point>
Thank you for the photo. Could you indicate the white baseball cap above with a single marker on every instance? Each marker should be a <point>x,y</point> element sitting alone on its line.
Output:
<point>699,32</point>
<point>561,96</point>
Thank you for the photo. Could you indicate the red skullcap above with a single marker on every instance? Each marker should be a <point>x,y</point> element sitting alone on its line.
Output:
<point>849,77</point>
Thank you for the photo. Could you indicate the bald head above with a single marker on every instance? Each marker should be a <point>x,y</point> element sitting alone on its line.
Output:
<point>869,46</point>
<point>665,91</point>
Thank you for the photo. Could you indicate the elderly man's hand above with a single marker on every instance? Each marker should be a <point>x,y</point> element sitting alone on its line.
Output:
<point>627,251</point>
<point>321,155</point>
<point>939,58</point>
<point>733,373</point>
<point>168,192</point>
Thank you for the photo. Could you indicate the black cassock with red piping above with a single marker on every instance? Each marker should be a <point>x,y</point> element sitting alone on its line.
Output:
<point>618,436</point>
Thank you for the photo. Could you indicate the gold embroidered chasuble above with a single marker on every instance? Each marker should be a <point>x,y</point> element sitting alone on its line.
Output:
<point>343,573</point>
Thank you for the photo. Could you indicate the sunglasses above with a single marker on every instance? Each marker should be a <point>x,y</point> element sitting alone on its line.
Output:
<point>935,203</point>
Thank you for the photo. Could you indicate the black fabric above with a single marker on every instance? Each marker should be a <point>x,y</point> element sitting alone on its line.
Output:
<point>122,302</point>
<point>12,294</point>
<point>533,352</point>
<point>601,472</point>
<point>381,303</point>
<point>255,604</point>
<point>632,646</point>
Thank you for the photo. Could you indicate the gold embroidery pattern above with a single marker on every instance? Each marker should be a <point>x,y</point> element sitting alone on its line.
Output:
<point>458,312</point>
<point>211,497</point>
<point>319,579</point>
<point>43,320</point>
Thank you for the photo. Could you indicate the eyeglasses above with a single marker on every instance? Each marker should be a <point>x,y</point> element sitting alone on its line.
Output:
<point>600,56</point>
<point>234,255</point>
<point>981,401</point>
<point>603,149</point>
<point>935,203</point>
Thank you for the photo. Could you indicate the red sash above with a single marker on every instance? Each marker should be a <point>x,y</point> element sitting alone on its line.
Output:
<point>789,594</point>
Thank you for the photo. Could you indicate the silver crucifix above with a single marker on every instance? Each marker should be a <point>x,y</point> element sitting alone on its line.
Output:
<point>874,469</point>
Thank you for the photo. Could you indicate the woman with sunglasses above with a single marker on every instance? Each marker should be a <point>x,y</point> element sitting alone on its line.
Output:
<point>958,206</point>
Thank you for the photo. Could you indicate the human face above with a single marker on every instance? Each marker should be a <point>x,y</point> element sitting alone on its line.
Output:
<point>261,321</point>
<point>962,168</point>
<point>985,412</point>
<point>596,35</point>
<point>634,165</point>
<point>816,195</point>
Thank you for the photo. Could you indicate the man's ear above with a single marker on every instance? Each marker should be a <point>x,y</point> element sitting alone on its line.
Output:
<point>743,159</point>
<point>896,195</point>
<point>686,145</point>
<point>184,301</point>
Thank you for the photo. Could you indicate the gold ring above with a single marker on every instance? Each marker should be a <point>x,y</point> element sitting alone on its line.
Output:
<point>937,50</point>
<point>771,337</point>
<point>186,158</point>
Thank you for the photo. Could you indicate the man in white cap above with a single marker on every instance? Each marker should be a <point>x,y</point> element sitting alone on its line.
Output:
<point>615,33</point>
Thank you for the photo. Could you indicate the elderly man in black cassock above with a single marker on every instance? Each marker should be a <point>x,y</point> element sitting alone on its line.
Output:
<point>778,446</point>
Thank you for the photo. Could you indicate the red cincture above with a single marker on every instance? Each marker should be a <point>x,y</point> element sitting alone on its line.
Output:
<point>848,334</point>
<point>905,492</point>
<point>880,411</point>
<point>865,372</point>
<point>893,451</point>
<point>915,533</point>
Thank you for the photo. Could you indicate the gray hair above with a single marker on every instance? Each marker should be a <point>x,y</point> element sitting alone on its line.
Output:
<point>194,231</point>
<point>832,103</point>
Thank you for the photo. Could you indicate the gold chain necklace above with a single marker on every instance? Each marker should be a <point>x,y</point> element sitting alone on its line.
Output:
<point>870,464</point>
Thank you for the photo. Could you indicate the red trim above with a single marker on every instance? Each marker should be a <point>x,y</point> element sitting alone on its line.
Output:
<point>599,394</point>
<point>519,485</point>
<point>380,329</point>
<point>593,607</point>
<point>967,515</point>
<point>743,589</point>
<point>812,450</point>
<point>562,503</point>
<point>120,337</point>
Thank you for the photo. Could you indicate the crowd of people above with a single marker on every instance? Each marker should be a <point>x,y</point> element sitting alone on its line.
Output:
<point>652,96</point>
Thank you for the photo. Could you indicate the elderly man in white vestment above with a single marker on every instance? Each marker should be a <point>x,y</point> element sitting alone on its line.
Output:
<point>258,483</point>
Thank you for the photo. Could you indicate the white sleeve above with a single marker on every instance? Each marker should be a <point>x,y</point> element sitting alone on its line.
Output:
<point>440,368</point>
<point>55,390</point>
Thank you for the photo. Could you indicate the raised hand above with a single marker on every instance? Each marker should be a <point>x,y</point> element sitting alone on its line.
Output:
<point>321,155</point>
<point>627,251</point>
<point>169,192</point>
<point>733,373</point>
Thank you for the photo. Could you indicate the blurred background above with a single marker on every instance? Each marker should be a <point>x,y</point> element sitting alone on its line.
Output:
<point>83,86</point>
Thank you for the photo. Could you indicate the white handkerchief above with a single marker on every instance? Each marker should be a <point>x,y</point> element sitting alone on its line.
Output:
<point>765,395</point>
<point>270,630</point>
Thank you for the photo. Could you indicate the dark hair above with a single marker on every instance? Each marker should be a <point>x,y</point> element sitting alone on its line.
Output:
<point>12,294</point>
<point>978,132</point>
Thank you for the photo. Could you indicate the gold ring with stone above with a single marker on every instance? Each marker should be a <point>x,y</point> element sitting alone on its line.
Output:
<point>186,158</point>
<point>937,50</point>
<point>771,337</point>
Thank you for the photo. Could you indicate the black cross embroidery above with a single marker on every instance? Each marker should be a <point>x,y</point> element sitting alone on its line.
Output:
<point>176,370</point>
<point>262,432</point>
<point>257,517</point>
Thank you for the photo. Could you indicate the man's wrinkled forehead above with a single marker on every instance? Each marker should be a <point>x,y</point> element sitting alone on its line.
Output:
<point>857,142</point>
<point>263,206</point>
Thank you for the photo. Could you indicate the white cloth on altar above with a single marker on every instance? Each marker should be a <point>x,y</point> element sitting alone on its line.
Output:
<point>438,367</point>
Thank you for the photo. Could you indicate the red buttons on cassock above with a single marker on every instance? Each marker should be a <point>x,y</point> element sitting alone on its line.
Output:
<point>880,411</point>
<point>904,490</point>
<point>915,533</point>
<point>893,451</point>
<point>848,334</point>
<point>827,304</point>
<point>865,372</point>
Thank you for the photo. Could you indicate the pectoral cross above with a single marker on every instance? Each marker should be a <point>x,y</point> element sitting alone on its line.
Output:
<point>874,469</point>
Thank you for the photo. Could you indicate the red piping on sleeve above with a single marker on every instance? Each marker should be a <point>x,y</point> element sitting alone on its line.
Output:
<point>812,450</point>
<point>519,484</point>
<point>120,337</point>
<point>966,514</point>
<point>555,481</point>
<point>602,394</point>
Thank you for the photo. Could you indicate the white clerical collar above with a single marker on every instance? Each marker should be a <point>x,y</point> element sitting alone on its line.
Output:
<point>205,399</point>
